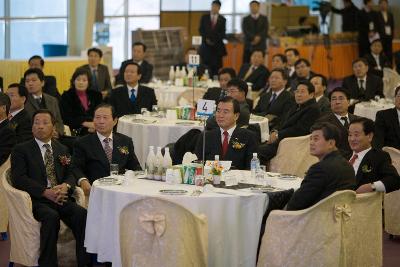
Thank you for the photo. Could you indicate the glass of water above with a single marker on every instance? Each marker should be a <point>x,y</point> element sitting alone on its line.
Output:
<point>260,175</point>
<point>143,111</point>
<point>114,170</point>
<point>154,108</point>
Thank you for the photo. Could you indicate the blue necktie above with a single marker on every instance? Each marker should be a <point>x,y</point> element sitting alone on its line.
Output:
<point>133,97</point>
<point>94,80</point>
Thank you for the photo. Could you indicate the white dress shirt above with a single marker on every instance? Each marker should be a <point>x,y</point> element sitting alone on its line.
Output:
<point>130,88</point>
<point>342,121</point>
<point>102,137</point>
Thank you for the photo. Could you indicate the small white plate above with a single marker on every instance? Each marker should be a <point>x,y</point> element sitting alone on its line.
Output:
<point>173,192</point>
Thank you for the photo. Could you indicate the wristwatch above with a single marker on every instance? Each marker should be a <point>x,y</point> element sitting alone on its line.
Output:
<point>373,187</point>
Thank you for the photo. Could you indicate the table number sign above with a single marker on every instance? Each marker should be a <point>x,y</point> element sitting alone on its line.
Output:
<point>196,40</point>
<point>205,107</point>
<point>194,60</point>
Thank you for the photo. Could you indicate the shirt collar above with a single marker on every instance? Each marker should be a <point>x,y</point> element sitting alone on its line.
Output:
<point>338,117</point>
<point>135,87</point>
<point>40,143</point>
<point>37,96</point>
<point>16,112</point>
<point>230,131</point>
<point>319,97</point>
<point>361,154</point>
<point>102,137</point>
<point>278,92</point>
<point>362,78</point>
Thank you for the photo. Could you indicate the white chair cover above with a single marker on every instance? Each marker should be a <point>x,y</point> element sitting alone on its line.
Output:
<point>3,205</point>
<point>391,79</point>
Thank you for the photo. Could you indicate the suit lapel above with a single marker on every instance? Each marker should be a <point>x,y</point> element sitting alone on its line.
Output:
<point>116,155</point>
<point>33,102</point>
<point>396,122</point>
<point>56,156</point>
<point>97,146</point>
<point>39,159</point>
<point>365,161</point>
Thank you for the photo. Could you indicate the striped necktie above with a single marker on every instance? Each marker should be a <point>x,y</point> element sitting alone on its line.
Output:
<point>108,149</point>
<point>49,165</point>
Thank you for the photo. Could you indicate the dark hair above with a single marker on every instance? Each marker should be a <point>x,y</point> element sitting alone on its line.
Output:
<point>22,91</point>
<point>229,71</point>
<point>229,99</point>
<point>258,50</point>
<point>294,50</point>
<point>360,59</point>
<point>78,72</point>
<point>375,41</point>
<point>254,2</point>
<point>368,124</point>
<point>302,60</point>
<point>323,79</point>
<point>141,44</point>
<point>340,89</point>
<point>239,84</point>
<point>96,50</point>
<point>216,2</point>
<point>36,57</point>
<point>105,105</point>
<point>36,71</point>
<point>366,1</point>
<point>5,101</point>
<point>310,87</point>
<point>396,90</point>
<point>281,56</point>
<point>139,69</point>
<point>329,131</point>
<point>44,111</point>
<point>302,19</point>
<point>192,48</point>
<point>284,73</point>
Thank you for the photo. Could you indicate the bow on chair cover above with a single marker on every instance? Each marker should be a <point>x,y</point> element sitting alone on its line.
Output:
<point>153,223</point>
<point>342,212</point>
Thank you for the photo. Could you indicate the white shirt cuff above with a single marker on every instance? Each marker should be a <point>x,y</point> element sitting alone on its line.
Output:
<point>80,180</point>
<point>379,186</point>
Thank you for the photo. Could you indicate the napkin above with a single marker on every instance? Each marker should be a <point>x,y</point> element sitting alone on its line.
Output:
<point>188,158</point>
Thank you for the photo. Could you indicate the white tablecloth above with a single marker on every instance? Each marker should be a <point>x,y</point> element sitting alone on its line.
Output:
<point>369,109</point>
<point>160,132</point>
<point>234,221</point>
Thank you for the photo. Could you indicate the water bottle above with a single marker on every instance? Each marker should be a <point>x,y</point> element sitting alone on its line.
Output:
<point>150,163</point>
<point>254,166</point>
<point>167,163</point>
<point>206,75</point>
<point>158,166</point>
<point>172,73</point>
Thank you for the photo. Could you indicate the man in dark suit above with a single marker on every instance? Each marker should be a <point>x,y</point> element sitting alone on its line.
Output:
<point>385,28</point>
<point>277,101</point>
<point>349,16</point>
<point>320,84</point>
<point>94,153</point>
<point>367,27</point>
<point>212,30</point>
<point>373,168</point>
<point>1,84</point>
<point>303,72</point>
<point>297,121</point>
<point>50,83</point>
<point>37,99</point>
<point>18,117</point>
<point>138,54</point>
<point>41,167</point>
<point>132,97</point>
<point>387,126</point>
<point>228,141</point>
<point>341,118</point>
<point>255,72</point>
<point>332,173</point>
<point>292,55</point>
<point>7,133</point>
<point>376,59</point>
<point>101,81</point>
<point>216,93</point>
<point>185,64</point>
<point>255,31</point>
<point>361,85</point>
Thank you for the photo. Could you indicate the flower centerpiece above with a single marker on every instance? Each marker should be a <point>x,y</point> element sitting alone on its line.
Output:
<point>216,171</point>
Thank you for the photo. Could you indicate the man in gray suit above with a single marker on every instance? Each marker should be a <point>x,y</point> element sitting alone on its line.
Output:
<point>101,81</point>
<point>34,81</point>
<point>320,83</point>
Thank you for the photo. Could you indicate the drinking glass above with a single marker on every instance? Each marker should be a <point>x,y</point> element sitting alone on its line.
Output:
<point>154,108</point>
<point>143,111</point>
<point>260,174</point>
<point>114,169</point>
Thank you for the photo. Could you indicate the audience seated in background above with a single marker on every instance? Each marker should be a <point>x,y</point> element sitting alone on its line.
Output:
<point>279,61</point>
<point>332,173</point>
<point>94,152</point>
<point>320,84</point>
<point>78,103</point>
<point>229,141</point>
<point>303,72</point>
<point>387,129</point>
<point>37,99</point>
<point>7,133</point>
<point>292,55</point>
<point>133,96</point>
<point>376,59</point>
<point>42,168</point>
<point>19,119</point>
<point>255,72</point>
<point>297,121</point>
<point>216,93</point>
<point>341,118</point>
<point>100,77</point>
<point>138,54</point>
<point>185,64</point>
<point>373,167</point>
<point>50,83</point>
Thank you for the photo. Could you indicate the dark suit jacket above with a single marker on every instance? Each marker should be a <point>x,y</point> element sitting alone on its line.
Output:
<point>324,104</point>
<point>381,24</point>
<point>72,110</point>
<point>213,93</point>
<point>90,160</point>
<point>50,86</point>
<point>147,72</point>
<point>252,27</point>
<point>377,166</point>
<point>119,98</point>
<point>7,140</point>
<point>22,125</point>
<point>240,157</point>
<point>294,80</point>
<point>51,104</point>
<point>349,17</point>
<point>373,87</point>
<point>387,129</point>
<point>258,77</point>
<point>102,78</point>
<point>28,171</point>
<point>215,35</point>
<point>1,84</point>
<point>333,173</point>
<point>372,64</point>
<point>343,145</point>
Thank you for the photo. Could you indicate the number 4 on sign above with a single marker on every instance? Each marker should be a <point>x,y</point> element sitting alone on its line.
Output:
<point>205,107</point>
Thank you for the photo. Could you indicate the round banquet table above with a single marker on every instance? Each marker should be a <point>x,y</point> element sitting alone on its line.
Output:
<point>151,131</point>
<point>369,109</point>
<point>234,218</point>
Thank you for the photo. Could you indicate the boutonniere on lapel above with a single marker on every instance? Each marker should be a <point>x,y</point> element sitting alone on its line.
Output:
<point>237,145</point>
<point>123,150</point>
<point>13,125</point>
<point>366,169</point>
<point>65,160</point>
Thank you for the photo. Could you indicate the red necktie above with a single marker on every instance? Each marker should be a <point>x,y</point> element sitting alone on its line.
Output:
<point>353,159</point>
<point>225,144</point>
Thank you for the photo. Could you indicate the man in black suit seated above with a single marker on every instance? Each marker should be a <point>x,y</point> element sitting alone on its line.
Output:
<point>132,97</point>
<point>387,126</point>
<point>341,118</point>
<point>94,152</point>
<point>376,59</point>
<point>297,121</point>
<point>303,72</point>
<point>255,72</point>
<point>277,101</point>
<point>228,140</point>
<point>373,167</point>
<point>42,168</point>
<point>7,133</point>
<point>292,55</point>
<point>361,85</point>
<point>18,117</point>
<point>50,83</point>
<point>216,93</point>
<point>138,54</point>
<point>320,84</point>
<point>332,173</point>
<point>185,64</point>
